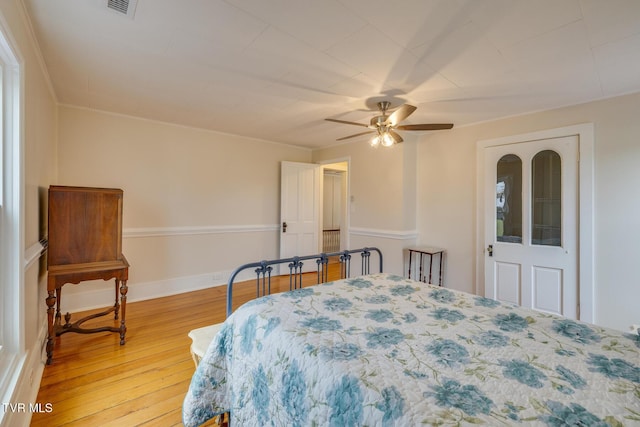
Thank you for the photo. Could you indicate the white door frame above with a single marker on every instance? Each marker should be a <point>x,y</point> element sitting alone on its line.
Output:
<point>586,272</point>
<point>346,198</point>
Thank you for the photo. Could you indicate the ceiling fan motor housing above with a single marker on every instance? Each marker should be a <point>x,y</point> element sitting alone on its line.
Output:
<point>378,121</point>
<point>384,106</point>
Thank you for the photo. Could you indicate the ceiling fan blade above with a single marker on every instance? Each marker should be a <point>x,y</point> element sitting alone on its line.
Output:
<point>346,122</point>
<point>353,136</point>
<point>426,126</point>
<point>400,114</point>
<point>396,137</point>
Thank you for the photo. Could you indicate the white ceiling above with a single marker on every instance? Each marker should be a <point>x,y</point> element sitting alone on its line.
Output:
<point>274,69</point>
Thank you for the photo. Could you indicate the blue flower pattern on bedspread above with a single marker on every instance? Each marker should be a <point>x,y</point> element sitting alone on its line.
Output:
<point>384,350</point>
<point>293,395</point>
<point>345,402</point>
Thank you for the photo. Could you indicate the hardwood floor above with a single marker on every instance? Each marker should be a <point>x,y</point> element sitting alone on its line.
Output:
<point>94,381</point>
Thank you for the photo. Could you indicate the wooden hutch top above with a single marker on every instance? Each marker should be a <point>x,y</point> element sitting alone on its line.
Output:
<point>85,227</point>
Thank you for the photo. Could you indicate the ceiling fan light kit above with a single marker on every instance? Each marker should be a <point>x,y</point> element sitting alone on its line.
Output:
<point>383,139</point>
<point>384,125</point>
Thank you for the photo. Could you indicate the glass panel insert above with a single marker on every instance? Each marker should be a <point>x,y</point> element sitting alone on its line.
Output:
<point>546,189</point>
<point>509,199</point>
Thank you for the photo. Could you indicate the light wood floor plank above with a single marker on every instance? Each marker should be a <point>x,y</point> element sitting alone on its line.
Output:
<point>94,381</point>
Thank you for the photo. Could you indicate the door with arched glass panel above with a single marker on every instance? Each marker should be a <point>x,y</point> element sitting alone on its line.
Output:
<point>531,255</point>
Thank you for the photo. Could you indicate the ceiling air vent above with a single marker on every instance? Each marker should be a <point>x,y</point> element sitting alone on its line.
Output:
<point>126,7</point>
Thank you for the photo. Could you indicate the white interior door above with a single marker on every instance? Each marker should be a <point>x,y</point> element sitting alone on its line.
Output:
<point>531,224</point>
<point>299,209</point>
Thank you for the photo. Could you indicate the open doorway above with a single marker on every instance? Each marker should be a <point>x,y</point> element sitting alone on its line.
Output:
<point>334,206</point>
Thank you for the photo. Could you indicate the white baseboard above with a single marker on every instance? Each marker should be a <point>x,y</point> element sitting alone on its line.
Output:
<point>89,299</point>
<point>27,386</point>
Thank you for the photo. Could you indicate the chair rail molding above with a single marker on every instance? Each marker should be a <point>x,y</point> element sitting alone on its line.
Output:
<point>386,234</point>
<point>197,230</point>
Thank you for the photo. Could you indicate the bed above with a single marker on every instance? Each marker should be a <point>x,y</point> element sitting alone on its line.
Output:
<point>380,349</point>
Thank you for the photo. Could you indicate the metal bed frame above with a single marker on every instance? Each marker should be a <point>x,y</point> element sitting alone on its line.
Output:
<point>263,270</point>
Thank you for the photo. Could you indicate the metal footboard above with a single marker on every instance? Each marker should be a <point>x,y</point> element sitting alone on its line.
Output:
<point>263,270</point>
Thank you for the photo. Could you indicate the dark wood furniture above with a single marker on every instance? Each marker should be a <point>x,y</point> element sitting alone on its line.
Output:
<point>430,252</point>
<point>85,243</point>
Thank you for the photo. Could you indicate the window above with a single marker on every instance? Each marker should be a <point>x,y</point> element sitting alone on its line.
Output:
<point>2,237</point>
<point>11,247</point>
<point>546,199</point>
<point>509,199</point>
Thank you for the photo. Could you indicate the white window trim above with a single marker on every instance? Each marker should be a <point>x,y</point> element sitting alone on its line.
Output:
<point>12,351</point>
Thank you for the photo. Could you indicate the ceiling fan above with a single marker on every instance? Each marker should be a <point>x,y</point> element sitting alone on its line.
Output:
<point>385,125</point>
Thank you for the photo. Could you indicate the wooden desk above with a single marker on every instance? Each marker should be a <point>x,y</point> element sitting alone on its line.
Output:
<point>430,252</point>
<point>75,273</point>
<point>85,243</point>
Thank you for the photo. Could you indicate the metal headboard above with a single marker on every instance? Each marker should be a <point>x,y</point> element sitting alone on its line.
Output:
<point>263,270</point>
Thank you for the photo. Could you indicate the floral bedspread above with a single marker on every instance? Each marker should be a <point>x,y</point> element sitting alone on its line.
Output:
<point>383,350</point>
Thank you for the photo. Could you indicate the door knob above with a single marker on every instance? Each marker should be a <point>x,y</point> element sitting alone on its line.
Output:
<point>284,226</point>
<point>490,250</point>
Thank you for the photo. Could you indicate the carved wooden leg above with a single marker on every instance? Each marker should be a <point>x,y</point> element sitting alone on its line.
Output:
<point>116,306</point>
<point>51,301</point>
<point>123,306</point>
<point>58,300</point>
<point>67,321</point>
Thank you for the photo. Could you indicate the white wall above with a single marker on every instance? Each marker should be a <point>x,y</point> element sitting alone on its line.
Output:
<point>446,198</point>
<point>197,203</point>
<point>382,184</point>
<point>332,199</point>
